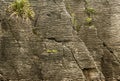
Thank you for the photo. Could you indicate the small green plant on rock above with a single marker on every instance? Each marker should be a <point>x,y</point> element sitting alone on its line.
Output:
<point>74,20</point>
<point>90,11</point>
<point>21,8</point>
<point>89,20</point>
<point>52,51</point>
<point>75,24</point>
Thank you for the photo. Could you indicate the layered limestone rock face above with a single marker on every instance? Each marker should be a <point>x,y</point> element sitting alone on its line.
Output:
<point>102,37</point>
<point>49,48</point>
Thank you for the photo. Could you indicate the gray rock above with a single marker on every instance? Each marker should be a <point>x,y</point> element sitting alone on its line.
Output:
<point>49,48</point>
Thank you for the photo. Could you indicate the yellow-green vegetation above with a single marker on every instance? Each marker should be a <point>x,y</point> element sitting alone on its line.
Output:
<point>21,8</point>
<point>52,51</point>
<point>74,20</point>
<point>89,21</point>
<point>69,9</point>
<point>75,24</point>
<point>90,10</point>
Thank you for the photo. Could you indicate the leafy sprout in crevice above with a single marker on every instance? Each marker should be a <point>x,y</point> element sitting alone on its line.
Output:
<point>73,19</point>
<point>89,20</point>
<point>21,8</point>
<point>75,24</point>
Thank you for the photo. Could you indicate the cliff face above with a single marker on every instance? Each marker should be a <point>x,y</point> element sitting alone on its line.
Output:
<point>60,44</point>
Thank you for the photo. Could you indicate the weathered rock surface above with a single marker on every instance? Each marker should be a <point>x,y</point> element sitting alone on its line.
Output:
<point>50,49</point>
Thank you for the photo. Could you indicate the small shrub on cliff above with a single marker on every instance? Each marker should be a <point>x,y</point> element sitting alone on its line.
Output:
<point>21,8</point>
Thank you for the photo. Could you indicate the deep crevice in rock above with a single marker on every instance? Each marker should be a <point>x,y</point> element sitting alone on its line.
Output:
<point>111,51</point>
<point>107,62</point>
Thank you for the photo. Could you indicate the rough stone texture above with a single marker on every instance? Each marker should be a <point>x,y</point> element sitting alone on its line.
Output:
<point>103,39</point>
<point>50,49</point>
